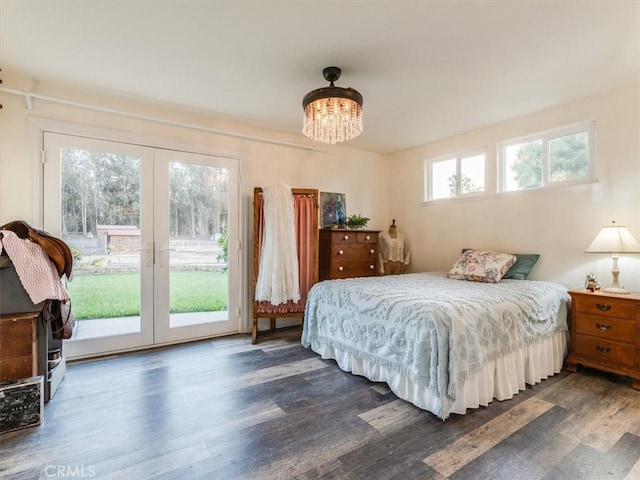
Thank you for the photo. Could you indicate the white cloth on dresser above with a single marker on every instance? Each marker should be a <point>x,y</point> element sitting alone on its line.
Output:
<point>278,277</point>
<point>34,268</point>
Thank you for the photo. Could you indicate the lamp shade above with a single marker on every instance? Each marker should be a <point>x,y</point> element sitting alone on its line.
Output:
<point>614,239</point>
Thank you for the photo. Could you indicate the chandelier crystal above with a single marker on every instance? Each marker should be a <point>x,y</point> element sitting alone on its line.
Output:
<point>332,114</point>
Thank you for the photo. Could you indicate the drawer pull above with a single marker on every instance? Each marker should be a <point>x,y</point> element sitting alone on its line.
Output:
<point>372,251</point>
<point>371,267</point>
<point>602,327</point>
<point>602,349</point>
<point>346,237</point>
<point>368,237</point>
<point>602,307</point>
<point>341,268</point>
<point>340,252</point>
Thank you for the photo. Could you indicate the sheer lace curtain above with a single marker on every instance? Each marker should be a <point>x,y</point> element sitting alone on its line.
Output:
<point>306,225</point>
<point>278,268</point>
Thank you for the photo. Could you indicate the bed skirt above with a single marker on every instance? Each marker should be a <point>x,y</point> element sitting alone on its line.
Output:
<point>500,379</point>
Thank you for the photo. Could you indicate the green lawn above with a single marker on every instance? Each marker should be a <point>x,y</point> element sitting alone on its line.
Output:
<point>118,294</point>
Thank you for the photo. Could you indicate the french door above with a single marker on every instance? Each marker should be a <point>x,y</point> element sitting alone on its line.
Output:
<point>152,232</point>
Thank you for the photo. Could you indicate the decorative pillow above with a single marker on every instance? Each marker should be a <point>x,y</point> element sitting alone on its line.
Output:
<point>521,269</point>
<point>482,266</point>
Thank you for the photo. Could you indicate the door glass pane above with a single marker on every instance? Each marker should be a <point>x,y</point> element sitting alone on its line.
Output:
<point>100,221</point>
<point>198,247</point>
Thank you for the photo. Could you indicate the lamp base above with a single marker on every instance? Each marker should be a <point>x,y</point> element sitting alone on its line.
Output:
<point>615,290</point>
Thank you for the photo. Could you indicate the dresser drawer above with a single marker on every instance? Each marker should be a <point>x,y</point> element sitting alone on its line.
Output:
<point>597,305</point>
<point>348,269</point>
<point>343,238</point>
<point>354,252</point>
<point>606,327</point>
<point>365,237</point>
<point>605,350</point>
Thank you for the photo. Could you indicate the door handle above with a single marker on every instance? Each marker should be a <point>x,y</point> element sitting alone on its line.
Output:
<point>147,257</point>
<point>164,250</point>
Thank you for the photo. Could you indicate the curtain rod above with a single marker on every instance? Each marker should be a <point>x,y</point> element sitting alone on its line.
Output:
<point>29,105</point>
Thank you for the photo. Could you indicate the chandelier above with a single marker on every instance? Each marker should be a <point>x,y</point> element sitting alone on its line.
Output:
<point>332,114</point>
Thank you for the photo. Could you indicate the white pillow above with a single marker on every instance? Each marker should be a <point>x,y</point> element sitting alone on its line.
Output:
<point>482,266</point>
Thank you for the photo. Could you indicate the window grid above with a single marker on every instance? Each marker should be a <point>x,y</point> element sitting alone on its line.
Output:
<point>451,186</point>
<point>441,184</point>
<point>546,157</point>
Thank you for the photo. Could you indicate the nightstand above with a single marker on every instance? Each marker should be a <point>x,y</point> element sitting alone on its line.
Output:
<point>605,333</point>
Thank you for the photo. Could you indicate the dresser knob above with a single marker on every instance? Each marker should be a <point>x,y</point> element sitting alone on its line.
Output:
<point>602,349</point>
<point>346,237</point>
<point>341,268</point>
<point>602,307</point>
<point>368,237</point>
<point>340,252</point>
<point>372,251</point>
<point>602,327</point>
<point>371,267</point>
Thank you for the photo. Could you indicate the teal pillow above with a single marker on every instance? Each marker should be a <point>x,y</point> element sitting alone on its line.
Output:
<point>520,270</point>
<point>524,263</point>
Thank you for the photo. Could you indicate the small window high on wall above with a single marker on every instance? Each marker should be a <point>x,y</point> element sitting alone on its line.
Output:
<point>455,176</point>
<point>558,157</point>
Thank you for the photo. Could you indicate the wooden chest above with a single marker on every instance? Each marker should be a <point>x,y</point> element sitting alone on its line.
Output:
<point>348,253</point>
<point>18,346</point>
<point>605,333</point>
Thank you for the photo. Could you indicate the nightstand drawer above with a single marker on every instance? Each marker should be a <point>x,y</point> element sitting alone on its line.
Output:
<point>600,305</point>
<point>606,327</point>
<point>602,349</point>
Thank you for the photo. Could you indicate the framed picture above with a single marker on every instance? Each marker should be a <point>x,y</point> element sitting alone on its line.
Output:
<point>333,208</point>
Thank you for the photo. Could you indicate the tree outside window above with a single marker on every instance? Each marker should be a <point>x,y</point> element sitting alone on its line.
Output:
<point>556,157</point>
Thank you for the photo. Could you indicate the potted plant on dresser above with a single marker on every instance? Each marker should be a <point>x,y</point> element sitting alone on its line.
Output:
<point>357,221</point>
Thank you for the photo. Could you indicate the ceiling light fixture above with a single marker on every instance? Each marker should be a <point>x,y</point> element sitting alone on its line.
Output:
<point>332,114</point>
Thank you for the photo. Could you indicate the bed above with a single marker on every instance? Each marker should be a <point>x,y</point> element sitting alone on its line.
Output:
<point>445,345</point>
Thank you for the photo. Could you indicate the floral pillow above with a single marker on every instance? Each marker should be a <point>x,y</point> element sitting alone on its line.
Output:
<point>482,266</point>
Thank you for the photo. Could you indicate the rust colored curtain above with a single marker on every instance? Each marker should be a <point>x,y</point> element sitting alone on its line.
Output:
<point>303,206</point>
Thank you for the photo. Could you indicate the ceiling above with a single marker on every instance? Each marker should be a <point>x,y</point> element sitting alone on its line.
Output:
<point>426,69</point>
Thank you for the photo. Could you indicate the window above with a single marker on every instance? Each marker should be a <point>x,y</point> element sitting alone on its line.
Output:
<point>455,176</point>
<point>557,157</point>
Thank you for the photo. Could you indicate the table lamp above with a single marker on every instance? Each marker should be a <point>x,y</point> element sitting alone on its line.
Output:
<point>614,239</point>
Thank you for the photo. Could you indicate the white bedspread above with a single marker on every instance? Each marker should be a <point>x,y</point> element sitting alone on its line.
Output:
<point>432,330</point>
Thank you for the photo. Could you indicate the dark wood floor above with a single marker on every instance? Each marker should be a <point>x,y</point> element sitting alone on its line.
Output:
<point>224,409</point>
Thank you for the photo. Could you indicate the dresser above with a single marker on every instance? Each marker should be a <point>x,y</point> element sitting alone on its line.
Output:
<point>348,253</point>
<point>605,333</point>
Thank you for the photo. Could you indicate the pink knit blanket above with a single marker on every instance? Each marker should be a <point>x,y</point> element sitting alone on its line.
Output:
<point>36,271</point>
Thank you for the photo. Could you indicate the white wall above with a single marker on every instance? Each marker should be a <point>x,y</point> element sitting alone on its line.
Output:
<point>362,176</point>
<point>556,223</point>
